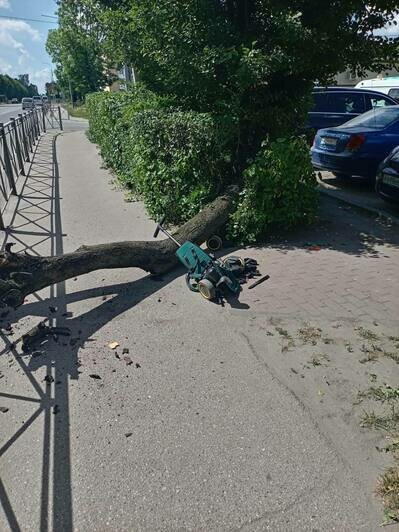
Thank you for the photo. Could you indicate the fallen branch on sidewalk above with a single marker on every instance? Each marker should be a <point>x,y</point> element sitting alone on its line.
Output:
<point>22,274</point>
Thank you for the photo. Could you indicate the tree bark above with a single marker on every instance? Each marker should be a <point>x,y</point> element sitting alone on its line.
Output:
<point>22,274</point>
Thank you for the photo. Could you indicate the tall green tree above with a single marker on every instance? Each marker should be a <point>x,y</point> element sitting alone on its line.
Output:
<point>254,60</point>
<point>75,48</point>
<point>13,88</point>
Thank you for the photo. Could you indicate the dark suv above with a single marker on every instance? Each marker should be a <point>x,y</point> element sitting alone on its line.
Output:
<point>334,106</point>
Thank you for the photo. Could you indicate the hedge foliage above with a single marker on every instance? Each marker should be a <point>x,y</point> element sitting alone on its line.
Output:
<point>176,161</point>
<point>279,191</point>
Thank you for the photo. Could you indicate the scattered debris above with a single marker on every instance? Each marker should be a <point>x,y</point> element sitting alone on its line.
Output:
<point>38,333</point>
<point>113,345</point>
<point>349,347</point>
<point>38,353</point>
<point>259,281</point>
<point>95,376</point>
<point>3,409</point>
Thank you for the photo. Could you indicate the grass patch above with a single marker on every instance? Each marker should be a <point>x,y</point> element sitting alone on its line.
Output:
<point>309,334</point>
<point>388,483</point>
<point>372,352</point>
<point>366,334</point>
<point>288,339</point>
<point>388,490</point>
<point>317,360</point>
<point>79,111</point>
<point>371,420</point>
<point>392,356</point>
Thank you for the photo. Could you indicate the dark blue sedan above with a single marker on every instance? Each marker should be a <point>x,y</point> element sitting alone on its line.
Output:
<point>387,181</point>
<point>357,147</point>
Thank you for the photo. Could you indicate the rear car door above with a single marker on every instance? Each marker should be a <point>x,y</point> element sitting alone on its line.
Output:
<point>374,101</point>
<point>344,106</point>
<point>317,116</point>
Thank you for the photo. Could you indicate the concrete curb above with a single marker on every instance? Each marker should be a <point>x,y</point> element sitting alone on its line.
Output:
<point>359,204</point>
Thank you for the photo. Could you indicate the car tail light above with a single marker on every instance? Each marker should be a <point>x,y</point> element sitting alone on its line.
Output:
<point>355,142</point>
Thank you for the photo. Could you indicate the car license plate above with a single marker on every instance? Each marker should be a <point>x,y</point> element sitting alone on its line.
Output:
<point>391,180</point>
<point>330,141</point>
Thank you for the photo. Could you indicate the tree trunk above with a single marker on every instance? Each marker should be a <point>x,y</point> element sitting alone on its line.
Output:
<point>22,274</point>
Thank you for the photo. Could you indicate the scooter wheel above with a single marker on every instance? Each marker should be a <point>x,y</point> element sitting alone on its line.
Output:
<point>214,243</point>
<point>207,289</point>
<point>192,284</point>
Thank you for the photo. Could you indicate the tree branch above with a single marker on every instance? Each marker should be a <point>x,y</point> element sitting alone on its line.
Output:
<point>22,274</point>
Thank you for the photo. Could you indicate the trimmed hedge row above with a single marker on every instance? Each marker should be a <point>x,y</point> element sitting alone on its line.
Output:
<point>176,161</point>
<point>173,160</point>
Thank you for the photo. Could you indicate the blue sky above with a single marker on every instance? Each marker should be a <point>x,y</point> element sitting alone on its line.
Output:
<point>22,43</point>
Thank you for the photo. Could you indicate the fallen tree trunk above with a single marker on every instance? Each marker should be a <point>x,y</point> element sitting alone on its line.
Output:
<point>22,274</point>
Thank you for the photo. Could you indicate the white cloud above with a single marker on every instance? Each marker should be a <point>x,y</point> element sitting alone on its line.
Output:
<point>8,28</point>
<point>8,25</point>
<point>5,4</point>
<point>5,68</point>
<point>39,77</point>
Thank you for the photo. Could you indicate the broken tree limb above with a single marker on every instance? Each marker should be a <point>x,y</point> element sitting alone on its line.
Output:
<point>22,274</point>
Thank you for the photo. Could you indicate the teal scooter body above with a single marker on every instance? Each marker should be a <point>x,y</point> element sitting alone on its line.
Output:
<point>206,274</point>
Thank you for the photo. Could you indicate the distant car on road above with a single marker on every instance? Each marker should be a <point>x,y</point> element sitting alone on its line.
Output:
<point>14,100</point>
<point>357,147</point>
<point>334,106</point>
<point>37,101</point>
<point>27,103</point>
<point>387,180</point>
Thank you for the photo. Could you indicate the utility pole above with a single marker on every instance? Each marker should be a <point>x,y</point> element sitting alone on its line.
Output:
<point>70,92</point>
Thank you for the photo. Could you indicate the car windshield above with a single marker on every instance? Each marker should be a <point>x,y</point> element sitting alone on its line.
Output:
<point>378,118</point>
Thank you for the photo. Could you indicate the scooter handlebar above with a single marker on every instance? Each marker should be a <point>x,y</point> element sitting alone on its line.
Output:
<point>159,225</point>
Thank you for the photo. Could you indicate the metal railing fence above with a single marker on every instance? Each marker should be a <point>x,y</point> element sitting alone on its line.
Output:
<point>18,138</point>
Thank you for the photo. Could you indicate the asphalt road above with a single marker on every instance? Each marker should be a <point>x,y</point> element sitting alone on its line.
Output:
<point>9,111</point>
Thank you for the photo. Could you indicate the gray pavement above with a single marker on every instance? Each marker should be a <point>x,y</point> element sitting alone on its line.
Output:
<point>221,422</point>
<point>8,111</point>
<point>358,192</point>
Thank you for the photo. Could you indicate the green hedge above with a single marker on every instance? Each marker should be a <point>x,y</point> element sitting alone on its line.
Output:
<point>176,161</point>
<point>280,191</point>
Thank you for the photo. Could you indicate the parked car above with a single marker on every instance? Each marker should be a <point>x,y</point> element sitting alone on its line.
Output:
<point>334,106</point>
<point>37,101</point>
<point>27,103</point>
<point>388,85</point>
<point>357,147</point>
<point>387,180</point>
<point>14,100</point>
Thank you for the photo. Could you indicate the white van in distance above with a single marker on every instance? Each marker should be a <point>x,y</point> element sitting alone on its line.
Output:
<point>389,85</point>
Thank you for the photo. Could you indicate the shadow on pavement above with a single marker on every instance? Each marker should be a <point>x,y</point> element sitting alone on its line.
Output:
<point>342,228</point>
